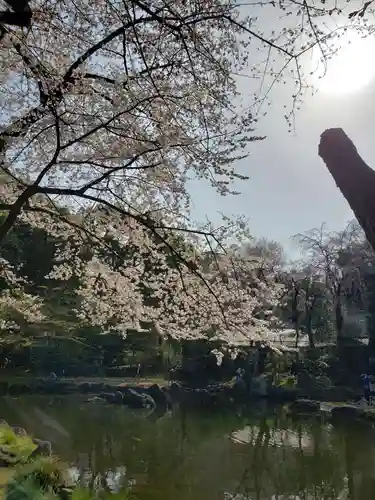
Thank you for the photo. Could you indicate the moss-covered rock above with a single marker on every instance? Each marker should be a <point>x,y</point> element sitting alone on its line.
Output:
<point>14,448</point>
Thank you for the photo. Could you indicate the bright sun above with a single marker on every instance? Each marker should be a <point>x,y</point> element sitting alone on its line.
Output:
<point>350,70</point>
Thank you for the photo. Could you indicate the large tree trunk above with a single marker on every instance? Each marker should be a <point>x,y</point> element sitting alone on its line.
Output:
<point>355,179</point>
<point>370,292</point>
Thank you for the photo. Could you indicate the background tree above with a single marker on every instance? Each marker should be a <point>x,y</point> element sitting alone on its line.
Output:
<point>325,253</point>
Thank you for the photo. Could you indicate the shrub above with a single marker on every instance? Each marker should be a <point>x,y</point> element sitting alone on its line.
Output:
<point>46,478</point>
<point>45,474</point>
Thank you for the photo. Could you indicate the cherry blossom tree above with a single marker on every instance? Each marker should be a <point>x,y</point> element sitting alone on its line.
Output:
<point>109,109</point>
<point>339,260</point>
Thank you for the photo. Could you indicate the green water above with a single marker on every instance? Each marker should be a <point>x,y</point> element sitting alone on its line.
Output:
<point>188,455</point>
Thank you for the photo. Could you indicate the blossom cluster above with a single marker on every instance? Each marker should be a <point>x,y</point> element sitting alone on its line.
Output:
<point>109,110</point>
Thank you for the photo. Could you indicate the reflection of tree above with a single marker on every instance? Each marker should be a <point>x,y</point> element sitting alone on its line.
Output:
<point>290,461</point>
<point>194,455</point>
<point>349,467</point>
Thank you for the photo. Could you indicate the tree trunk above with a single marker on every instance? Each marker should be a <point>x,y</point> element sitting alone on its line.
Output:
<point>309,310</point>
<point>310,333</point>
<point>370,291</point>
<point>354,178</point>
<point>339,319</point>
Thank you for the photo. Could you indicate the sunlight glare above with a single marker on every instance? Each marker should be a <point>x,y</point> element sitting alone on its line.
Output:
<point>350,70</point>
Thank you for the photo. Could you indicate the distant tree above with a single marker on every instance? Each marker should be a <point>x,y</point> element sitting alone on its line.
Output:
<point>338,260</point>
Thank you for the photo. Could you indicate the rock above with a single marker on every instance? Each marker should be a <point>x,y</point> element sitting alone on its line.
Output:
<point>347,413</point>
<point>160,396</point>
<point>95,399</point>
<point>135,399</point>
<point>304,406</point>
<point>119,398</point>
<point>19,431</point>
<point>110,397</point>
<point>155,392</point>
<point>43,448</point>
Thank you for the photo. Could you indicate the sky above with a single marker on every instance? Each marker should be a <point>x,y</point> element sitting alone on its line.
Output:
<point>290,190</point>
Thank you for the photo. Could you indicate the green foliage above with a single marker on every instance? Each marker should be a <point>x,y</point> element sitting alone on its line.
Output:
<point>26,489</point>
<point>46,478</point>
<point>47,473</point>
<point>288,381</point>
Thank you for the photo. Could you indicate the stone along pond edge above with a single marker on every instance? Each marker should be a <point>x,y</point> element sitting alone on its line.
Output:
<point>143,395</point>
<point>334,413</point>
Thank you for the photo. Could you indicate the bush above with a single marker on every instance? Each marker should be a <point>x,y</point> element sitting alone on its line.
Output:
<point>44,474</point>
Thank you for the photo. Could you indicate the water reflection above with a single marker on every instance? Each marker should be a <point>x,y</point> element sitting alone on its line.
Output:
<point>184,456</point>
<point>112,480</point>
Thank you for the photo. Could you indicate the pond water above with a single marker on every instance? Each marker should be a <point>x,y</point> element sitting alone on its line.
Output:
<point>186,455</point>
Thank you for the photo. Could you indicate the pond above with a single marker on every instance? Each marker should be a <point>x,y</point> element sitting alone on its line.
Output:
<point>186,455</point>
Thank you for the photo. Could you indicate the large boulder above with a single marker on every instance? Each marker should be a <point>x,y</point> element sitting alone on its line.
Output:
<point>135,399</point>
<point>160,396</point>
